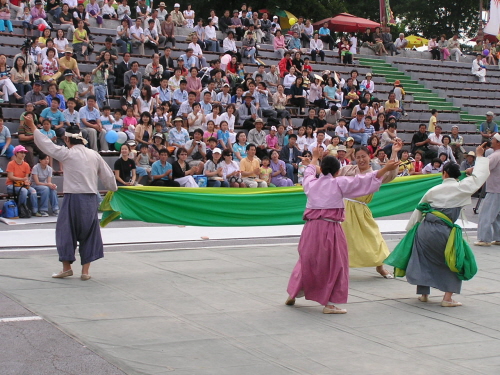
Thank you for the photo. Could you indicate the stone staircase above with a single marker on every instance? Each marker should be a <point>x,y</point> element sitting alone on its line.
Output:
<point>418,90</point>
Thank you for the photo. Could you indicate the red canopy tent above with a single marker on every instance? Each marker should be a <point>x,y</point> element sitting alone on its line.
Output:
<point>345,22</point>
<point>491,38</point>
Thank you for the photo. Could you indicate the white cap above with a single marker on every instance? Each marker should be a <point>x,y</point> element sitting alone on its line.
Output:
<point>490,113</point>
<point>497,137</point>
<point>275,17</point>
<point>176,5</point>
<point>273,128</point>
<point>289,128</point>
<point>216,150</point>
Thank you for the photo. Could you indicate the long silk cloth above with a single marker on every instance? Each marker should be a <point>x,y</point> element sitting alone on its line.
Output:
<point>232,207</point>
<point>458,254</point>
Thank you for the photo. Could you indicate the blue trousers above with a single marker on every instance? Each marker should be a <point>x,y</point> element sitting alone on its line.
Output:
<point>23,193</point>
<point>4,23</point>
<point>78,226</point>
<point>124,46</point>
<point>215,183</point>
<point>289,171</point>
<point>361,138</point>
<point>47,194</point>
<point>9,152</point>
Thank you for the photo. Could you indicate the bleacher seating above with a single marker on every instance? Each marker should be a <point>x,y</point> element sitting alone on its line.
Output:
<point>445,78</point>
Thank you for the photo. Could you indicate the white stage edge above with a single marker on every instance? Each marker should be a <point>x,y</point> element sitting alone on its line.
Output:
<point>170,233</point>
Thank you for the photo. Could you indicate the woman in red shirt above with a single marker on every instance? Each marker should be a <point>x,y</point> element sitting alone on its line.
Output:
<point>373,145</point>
<point>418,164</point>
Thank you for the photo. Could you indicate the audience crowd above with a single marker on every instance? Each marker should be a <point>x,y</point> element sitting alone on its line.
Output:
<point>179,122</point>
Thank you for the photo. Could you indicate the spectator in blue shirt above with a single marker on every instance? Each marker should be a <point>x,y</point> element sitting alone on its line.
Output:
<point>357,129</point>
<point>161,171</point>
<point>90,123</point>
<point>326,37</point>
<point>178,136</point>
<point>53,94</point>
<point>223,136</point>
<point>6,149</point>
<point>163,91</point>
<point>206,106</point>
<point>190,60</point>
<point>369,128</point>
<point>46,129</point>
<point>295,44</point>
<point>55,116</point>
<point>180,96</point>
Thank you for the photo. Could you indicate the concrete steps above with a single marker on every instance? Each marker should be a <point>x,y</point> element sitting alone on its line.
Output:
<point>420,91</point>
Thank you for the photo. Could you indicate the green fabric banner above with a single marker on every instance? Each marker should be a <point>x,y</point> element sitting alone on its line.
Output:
<point>231,207</point>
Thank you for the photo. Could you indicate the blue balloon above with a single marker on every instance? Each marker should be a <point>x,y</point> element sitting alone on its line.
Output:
<point>111,136</point>
<point>486,52</point>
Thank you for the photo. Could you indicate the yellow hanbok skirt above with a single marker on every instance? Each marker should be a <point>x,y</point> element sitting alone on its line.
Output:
<point>365,243</point>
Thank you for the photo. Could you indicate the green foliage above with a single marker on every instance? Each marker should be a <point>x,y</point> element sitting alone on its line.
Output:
<point>422,17</point>
<point>425,17</point>
<point>428,17</point>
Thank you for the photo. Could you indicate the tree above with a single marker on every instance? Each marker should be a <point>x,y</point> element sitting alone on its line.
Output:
<point>427,17</point>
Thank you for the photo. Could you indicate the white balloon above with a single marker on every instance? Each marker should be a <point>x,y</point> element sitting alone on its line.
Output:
<point>226,59</point>
<point>122,137</point>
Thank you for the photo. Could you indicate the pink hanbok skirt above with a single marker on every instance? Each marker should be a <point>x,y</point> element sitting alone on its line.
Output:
<point>322,271</point>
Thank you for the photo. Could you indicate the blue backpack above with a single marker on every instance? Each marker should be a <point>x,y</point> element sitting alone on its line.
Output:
<point>9,210</point>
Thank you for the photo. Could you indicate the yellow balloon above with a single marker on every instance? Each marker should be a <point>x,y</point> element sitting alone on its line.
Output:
<point>292,21</point>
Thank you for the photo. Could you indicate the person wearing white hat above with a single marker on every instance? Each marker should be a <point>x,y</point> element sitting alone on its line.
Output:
<point>177,16</point>
<point>213,170</point>
<point>469,162</point>
<point>162,12</point>
<point>368,84</point>
<point>257,137</point>
<point>488,230</point>
<point>275,26</point>
<point>488,127</point>
<point>77,222</point>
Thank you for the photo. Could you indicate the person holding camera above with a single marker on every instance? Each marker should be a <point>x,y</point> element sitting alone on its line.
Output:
<point>103,77</point>
<point>196,150</point>
<point>154,70</point>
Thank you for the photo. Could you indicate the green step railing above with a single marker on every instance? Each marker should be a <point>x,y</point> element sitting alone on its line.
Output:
<point>418,90</point>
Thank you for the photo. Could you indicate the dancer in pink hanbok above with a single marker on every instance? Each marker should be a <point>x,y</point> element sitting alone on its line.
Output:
<point>322,271</point>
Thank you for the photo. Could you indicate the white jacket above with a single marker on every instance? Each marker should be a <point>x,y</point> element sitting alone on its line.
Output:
<point>452,193</point>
